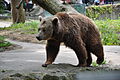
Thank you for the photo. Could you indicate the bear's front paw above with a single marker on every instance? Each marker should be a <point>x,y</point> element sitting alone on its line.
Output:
<point>100,60</point>
<point>44,65</point>
<point>81,65</point>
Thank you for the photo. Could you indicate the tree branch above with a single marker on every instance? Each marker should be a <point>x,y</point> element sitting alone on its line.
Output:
<point>54,6</point>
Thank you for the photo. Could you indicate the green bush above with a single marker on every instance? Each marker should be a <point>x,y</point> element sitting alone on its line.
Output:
<point>110,30</point>
<point>29,27</point>
<point>94,12</point>
<point>2,38</point>
<point>1,7</point>
<point>4,43</point>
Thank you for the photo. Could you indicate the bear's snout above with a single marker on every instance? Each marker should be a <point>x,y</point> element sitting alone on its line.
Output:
<point>38,38</point>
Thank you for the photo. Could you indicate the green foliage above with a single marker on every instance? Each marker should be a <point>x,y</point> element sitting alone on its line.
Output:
<point>110,31</point>
<point>104,62</point>
<point>29,27</point>
<point>1,7</point>
<point>95,11</point>
<point>4,43</point>
<point>2,38</point>
<point>95,64</point>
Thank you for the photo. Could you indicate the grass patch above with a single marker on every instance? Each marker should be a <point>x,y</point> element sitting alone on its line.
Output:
<point>95,64</point>
<point>3,43</point>
<point>28,27</point>
<point>110,31</point>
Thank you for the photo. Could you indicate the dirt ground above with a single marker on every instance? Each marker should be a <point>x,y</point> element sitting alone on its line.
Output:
<point>20,36</point>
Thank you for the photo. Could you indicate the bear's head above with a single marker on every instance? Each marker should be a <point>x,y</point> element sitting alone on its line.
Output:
<point>47,27</point>
<point>54,27</point>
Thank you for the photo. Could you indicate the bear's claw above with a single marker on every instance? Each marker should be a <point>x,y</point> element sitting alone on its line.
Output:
<point>44,65</point>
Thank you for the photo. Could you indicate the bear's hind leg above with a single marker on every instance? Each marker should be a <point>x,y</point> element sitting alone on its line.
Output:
<point>89,59</point>
<point>97,50</point>
<point>52,49</point>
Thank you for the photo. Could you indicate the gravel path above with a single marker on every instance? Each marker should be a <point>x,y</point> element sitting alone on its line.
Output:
<point>25,64</point>
<point>35,54</point>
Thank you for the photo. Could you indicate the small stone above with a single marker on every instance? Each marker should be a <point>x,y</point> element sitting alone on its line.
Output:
<point>16,75</point>
<point>49,77</point>
<point>3,71</point>
<point>44,65</point>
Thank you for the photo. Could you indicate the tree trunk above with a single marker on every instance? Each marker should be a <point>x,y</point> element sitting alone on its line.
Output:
<point>54,6</point>
<point>18,15</point>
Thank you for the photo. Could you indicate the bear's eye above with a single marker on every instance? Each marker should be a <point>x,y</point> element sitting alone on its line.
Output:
<point>43,30</point>
<point>43,22</point>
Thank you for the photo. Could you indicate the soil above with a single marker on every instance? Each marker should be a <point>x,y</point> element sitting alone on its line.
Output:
<point>20,36</point>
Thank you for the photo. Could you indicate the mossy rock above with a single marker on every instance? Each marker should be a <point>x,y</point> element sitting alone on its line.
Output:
<point>94,12</point>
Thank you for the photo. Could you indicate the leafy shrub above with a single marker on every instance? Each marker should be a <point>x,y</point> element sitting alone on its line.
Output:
<point>4,43</point>
<point>29,27</point>
<point>1,6</point>
<point>110,30</point>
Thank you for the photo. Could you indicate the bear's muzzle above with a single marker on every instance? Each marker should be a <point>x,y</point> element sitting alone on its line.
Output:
<point>38,38</point>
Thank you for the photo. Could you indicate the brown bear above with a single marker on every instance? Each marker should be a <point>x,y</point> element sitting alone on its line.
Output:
<point>76,31</point>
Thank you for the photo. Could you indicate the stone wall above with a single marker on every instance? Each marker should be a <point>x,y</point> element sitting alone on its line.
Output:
<point>104,11</point>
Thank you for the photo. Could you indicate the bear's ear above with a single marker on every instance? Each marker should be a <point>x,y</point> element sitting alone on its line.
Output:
<point>55,23</point>
<point>55,20</point>
<point>40,18</point>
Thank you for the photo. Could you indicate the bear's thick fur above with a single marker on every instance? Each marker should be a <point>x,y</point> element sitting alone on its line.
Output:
<point>77,31</point>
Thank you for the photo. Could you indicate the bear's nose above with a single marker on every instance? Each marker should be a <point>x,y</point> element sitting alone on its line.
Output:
<point>38,37</point>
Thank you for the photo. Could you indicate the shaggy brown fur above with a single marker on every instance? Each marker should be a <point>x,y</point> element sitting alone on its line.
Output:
<point>78,32</point>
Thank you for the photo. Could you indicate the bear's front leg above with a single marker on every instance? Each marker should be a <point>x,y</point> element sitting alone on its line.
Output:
<point>97,50</point>
<point>52,49</point>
